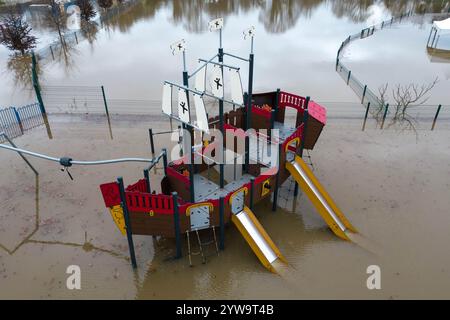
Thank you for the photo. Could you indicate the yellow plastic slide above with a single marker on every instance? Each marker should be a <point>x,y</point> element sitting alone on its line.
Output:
<point>258,239</point>
<point>320,198</point>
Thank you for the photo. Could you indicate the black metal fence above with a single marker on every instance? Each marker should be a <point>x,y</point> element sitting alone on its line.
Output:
<point>370,100</point>
<point>93,100</point>
<point>15,121</point>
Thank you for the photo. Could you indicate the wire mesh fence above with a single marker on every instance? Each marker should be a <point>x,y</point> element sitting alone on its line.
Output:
<point>374,106</point>
<point>15,121</point>
<point>416,117</point>
<point>93,100</point>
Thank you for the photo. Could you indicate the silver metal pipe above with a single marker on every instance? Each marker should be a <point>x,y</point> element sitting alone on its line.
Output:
<point>220,64</point>
<point>23,157</point>
<point>236,57</point>
<point>184,61</point>
<point>77,162</point>
<point>202,66</point>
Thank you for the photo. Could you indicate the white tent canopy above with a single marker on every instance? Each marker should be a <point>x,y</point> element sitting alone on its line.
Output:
<point>442,25</point>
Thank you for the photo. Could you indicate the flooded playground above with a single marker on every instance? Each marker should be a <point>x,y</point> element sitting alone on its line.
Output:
<point>392,184</point>
<point>398,201</point>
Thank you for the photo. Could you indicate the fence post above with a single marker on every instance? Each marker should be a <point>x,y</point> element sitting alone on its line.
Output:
<point>152,144</point>
<point>176,222</point>
<point>104,101</point>
<point>18,119</point>
<point>365,116</point>
<point>36,86</point>
<point>221,223</point>
<point>364,94</point>
<point>384,116</point>
<point>126,216</point>
<point>436,116</point>
<point>349,75</point>
<point>51,51</point>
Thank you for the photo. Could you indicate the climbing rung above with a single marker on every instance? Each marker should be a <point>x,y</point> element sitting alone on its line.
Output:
<point>201,244</point>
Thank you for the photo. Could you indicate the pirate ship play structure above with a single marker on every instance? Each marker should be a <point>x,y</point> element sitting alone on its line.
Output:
<point>190,200</point>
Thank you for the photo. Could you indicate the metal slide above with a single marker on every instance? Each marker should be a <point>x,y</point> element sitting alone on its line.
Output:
<point>320,198</point>
<point>258,239</point>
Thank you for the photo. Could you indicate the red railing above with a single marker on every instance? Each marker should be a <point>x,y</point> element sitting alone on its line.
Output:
<point>291,100</point>
<point>145,202</point>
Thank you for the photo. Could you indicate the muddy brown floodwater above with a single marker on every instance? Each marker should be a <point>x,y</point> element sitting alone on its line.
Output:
<point>392,186</point>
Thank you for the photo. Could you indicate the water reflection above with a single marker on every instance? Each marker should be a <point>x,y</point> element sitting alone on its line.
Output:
<point>89,31</point>
<point>280,16</point>
<point>277,16</point>
<point>19,66</point>
<point>338,18</point>
<point>438,55</point>
<point>357,11</point>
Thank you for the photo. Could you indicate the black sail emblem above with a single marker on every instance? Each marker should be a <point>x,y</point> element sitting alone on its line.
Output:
<point>183,106</point>
<point>218,84</point>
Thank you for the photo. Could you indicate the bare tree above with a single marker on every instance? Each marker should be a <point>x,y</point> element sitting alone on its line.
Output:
<point>87,11</point>
<point>407,96</point>
<point>16,34</point>
<point>404,97</point>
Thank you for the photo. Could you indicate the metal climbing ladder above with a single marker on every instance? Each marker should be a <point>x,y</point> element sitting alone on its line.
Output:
<point>201,245</point>
<point>199,216</point>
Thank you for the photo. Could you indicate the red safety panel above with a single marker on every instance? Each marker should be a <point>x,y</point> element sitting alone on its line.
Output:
<point>111,194</point>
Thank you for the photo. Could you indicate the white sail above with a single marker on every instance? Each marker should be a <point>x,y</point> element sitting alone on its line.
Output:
<point>167,99</point>
<point>216,82</point>
<point>249,33</point>
<point>237,94</point>
<point>202,117</point>
<point>177,47</point>
<point>183,106</point>
<point>200,79</point>
<point>216,24</point>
